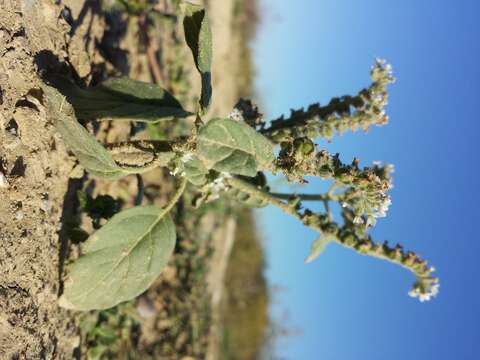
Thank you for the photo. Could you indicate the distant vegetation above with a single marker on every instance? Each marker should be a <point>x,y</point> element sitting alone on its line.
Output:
<point>245,25</point>
<point>245,308</point>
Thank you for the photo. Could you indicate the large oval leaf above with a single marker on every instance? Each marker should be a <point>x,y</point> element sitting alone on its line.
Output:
<point>121,260</point>
<point>232,146</point>
<point>198,36</point>
<point>89,152</point>
<point>121,98</point>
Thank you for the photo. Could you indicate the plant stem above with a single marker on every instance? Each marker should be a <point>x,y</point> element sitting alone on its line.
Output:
<point>141,190</point>
<point>349,239</point>
<point>303,197</point>
<point>178,193</point>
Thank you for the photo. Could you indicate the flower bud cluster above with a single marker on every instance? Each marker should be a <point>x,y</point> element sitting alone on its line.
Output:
<point>355,237</point>
<point>365,189</point>
<point>425,289</point>
<point>365,109</point>
<point>249,112</point>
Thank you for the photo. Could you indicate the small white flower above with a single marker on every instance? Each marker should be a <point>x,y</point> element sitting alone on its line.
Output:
<point>434,289</point>
<point>187,157</point>
<point>236,115</point>
<point>218,185</point>
<point>358,220</point>
<point>377,163</point>
<point>344,204</point>
<point>176,172</point>
<point>379,213</point>
<point>387,202</point>
<point>371,221</point>
<point>382,210</point>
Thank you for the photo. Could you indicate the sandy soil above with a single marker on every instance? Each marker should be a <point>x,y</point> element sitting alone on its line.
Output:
<point>36,195</point>
<point>34,173</point>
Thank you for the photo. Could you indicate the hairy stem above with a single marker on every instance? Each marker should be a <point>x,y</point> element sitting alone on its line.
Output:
<point>178,193</point>
<point>348,238</point>
<point>341,114</point>
<point>303,197</point>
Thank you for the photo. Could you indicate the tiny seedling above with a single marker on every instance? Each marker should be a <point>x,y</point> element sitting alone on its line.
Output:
<point>222,156</point>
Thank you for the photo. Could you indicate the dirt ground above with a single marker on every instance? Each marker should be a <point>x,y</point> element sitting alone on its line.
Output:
<point>34,171</point>
<point>37,193</point>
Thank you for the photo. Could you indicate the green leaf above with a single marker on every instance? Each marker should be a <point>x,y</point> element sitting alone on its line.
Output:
<point>91,155</point>
<point>195,170</point>
<point>198,36</point>
<point>140,156</point>
<point>232,146</point>
<point>318,247</point>
<point>121,98</point>
<point>89,152</point>
<point>96,352</point>
<point>121,260</point>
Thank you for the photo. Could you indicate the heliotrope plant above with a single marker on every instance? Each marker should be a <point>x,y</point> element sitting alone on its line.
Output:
<point>222,156</point>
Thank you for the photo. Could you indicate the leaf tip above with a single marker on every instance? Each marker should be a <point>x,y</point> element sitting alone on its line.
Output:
<point>64,303</point>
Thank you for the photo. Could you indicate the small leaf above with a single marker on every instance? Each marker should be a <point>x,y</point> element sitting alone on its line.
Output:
<point>195,171</point>
<point>231,146</point>
<point>198,36</point>
<point>121,260</point>
<point>318,247</point>
<point>96,352</point>
<point>121,98</point>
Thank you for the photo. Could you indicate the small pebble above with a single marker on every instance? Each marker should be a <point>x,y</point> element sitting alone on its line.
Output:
<point>145,308</point>
<point>44,205</point>
<point>19,215</point>
<point>3,181</point>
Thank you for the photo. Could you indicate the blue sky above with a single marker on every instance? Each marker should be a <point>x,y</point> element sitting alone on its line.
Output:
<point>347,306</point>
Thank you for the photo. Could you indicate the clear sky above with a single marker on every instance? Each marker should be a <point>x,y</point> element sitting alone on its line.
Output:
<point>351,307</point>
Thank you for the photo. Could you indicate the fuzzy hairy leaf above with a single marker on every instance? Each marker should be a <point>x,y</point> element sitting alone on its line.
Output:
<point>195,171</point>
<point>139,156</point>
<point>121,98</point>
<point>121,260</point>
<point>90,153</point>
<point>318,247</point>
<point>198,36</point>
<point>231,146</point>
